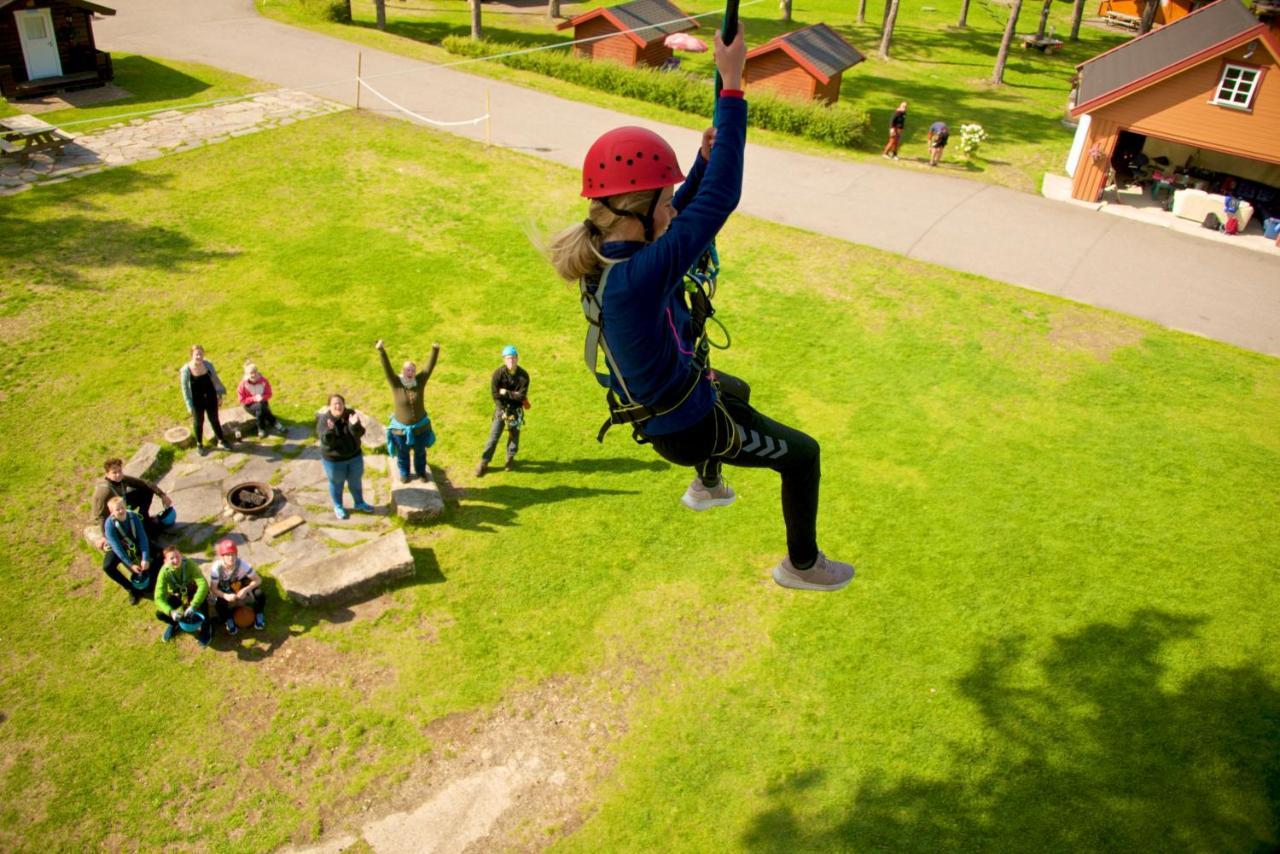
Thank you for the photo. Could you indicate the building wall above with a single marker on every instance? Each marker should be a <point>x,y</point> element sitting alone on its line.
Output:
<point>1095,160</point>
<point>74,35</point>
<point>1178,109</point>
<point>777,72</point>
<point>654,53</point>
<point>1169,11</point>
<point>619,48</point>
<point>830,93</point>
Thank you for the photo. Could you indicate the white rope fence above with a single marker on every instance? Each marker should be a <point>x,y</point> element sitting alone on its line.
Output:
<point>419,117</point>
<point>363,81</point>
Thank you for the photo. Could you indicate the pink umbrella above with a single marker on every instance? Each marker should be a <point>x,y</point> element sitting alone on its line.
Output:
<point>684,41</point>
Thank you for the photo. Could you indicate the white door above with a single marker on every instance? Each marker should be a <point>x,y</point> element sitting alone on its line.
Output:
<point>39,46</point>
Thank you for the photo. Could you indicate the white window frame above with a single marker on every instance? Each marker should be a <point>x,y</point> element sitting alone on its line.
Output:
<point>1233,89</point>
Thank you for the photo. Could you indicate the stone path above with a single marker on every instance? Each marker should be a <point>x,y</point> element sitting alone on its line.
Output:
<point>164,133</point>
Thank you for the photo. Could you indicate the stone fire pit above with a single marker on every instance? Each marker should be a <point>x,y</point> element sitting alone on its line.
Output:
<point>251,498</point>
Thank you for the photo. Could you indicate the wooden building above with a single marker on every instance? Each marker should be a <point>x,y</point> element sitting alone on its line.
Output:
<point>1202,91</point>
<point>1129,12</point>
<point>46,45</point>
<point>804,64</point>
<point>631,33</point>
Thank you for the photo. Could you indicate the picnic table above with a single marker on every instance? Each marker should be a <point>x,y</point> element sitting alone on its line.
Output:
<point>23,136</point>
<point>1042,44</point>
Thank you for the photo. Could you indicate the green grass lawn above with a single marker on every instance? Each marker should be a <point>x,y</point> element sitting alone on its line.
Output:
<point>942,71</point>
<point>1062,636</point>
<point>152,84</point>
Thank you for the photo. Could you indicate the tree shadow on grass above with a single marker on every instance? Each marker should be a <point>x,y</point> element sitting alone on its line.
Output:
<point>1101,754</point>
<point>52,234</point>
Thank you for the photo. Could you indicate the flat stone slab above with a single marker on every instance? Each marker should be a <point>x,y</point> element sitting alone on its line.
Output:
<point>198,503</point>
<point>179,437</point>
<point>93,535</point>
<point>417,501</point>
<point>213,472</point>
<point>143,460</point>
<point>348,536</point>
<point>348,574</point>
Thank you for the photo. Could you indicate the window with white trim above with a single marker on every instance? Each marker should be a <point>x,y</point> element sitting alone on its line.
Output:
<point>1237,86</point>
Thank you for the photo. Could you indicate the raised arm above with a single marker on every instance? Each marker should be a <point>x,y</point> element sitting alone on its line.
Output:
<point>431,363</point>
<point>392,379</point>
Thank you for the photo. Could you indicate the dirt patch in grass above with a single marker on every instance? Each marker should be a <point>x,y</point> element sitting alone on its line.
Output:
<point>306,661</point>
<point>1095,334</point>
<point>522,774</point>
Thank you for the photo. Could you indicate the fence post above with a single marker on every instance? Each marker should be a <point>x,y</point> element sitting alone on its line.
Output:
<point>359,57</point>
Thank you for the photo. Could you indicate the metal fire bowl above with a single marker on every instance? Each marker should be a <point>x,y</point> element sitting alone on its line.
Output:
<point>233,497</point>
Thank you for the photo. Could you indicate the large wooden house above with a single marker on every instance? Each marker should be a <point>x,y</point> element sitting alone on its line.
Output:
<point>1202,93</point>
<point>631,33</point>
<point>47,45</point>
<point>805,64</point>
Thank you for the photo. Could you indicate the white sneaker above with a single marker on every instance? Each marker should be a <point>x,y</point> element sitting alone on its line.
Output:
<point>825,574</point>
<point>698,497</point>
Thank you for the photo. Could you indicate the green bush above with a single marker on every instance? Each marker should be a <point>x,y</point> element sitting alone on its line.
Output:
<point>320,10</point>
<point>837,124</point>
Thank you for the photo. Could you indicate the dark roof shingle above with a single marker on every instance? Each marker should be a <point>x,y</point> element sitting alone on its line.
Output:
<point>823,47</point>
<point>1159,49</point>
<point>647,13</point>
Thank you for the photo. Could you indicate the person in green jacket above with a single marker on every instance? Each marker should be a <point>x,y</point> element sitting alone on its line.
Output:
<point>181,591</point>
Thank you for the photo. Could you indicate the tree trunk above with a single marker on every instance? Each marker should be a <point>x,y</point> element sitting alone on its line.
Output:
<point>890,18</point>
<point>553,8</point>
<point>475,20</point>
<point>862,11</point>
<point>380,8</point>
<point>786,11</point>
<point>1003,56</point>
<point>349,18</point>
<point>1044,19</point>
<point>964,15</point>
<point>1148,16</point>
<point>1076,15</point>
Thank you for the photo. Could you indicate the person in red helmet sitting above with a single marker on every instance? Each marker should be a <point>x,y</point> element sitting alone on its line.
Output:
<point>233,586</point>
<point>630,257</point>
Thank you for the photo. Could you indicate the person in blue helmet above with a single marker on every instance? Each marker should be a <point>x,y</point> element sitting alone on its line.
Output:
<point>631,258</point>
<point>509,387</point>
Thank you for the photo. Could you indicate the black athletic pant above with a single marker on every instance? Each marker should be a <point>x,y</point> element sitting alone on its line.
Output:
<point>224,610</point>
<point>736,434</point>
<point>111,566</point>
<point>204,401</point>
<point>140,499</point>
<point>266,418</point>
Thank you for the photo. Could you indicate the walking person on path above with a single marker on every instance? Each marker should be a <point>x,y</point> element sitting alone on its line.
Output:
<point>509,388</point>
<point>938,135</point>
<point>630,256</point>
<point>409,428</point>
<point>897,125</point>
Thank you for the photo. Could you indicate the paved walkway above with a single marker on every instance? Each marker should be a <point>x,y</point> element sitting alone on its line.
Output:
<point>152,136</point>
<point>1208,289</point>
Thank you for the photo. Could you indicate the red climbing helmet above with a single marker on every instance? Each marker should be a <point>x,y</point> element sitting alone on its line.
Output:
<point>628,160</point>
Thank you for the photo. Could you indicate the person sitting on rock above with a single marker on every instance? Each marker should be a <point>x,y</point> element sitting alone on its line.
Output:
<point>137,494</point>
<point>203,391</point>
<point>234,585</point>
<point>127,544</point>
<point>339,430</point>
<point>509,387</point>
<point>409,427</point>
<point>254,392</point>
<point>181,591</point>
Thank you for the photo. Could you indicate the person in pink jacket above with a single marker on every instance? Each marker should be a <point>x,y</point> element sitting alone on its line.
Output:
<point>255,392</point>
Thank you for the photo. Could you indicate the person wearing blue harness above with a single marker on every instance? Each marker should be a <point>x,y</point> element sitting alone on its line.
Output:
<point>409,428</point>
<point>632,256</point>
<point>127,545</point>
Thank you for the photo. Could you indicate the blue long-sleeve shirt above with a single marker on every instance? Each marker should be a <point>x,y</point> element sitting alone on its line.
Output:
<point>119,536</point>
<point>644,316</point>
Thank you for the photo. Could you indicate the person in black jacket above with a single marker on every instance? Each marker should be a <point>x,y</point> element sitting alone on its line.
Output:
<point>509,387</point>
<point>339,430</point>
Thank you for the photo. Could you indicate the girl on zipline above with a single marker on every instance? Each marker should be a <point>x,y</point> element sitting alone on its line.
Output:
<point>630,256</point>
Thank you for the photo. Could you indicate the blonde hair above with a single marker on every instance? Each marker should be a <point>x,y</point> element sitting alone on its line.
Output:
<point>575,251</point>
<point>115,502</point>
<point>249,369</point>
